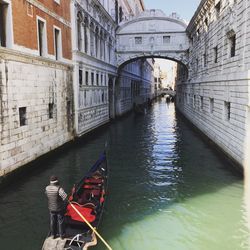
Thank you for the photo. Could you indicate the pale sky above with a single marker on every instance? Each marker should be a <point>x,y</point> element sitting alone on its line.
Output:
<point>185,8</point>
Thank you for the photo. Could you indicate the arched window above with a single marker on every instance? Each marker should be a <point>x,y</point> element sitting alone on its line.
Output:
<point>109,50</point>
<point>92,45</point>
<point>96,42</point>
<point>79,30</point>
<point>86,38</point>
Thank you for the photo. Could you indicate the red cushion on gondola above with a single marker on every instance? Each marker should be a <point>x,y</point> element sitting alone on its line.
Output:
<point>94,181</point>
<point>85,211</point>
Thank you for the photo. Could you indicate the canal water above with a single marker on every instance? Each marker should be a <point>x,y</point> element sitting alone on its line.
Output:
<point>167,189</point>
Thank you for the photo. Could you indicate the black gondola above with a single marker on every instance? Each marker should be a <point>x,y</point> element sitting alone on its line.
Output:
<point>88,197</point>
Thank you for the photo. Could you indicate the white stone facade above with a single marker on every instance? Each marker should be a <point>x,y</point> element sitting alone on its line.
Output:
<point>36,108</point>
<point>216,95</point>
<point>152,34</point>
<point>93,37</point>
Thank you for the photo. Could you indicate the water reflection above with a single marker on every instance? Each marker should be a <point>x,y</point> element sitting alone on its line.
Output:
<point>168,189</point>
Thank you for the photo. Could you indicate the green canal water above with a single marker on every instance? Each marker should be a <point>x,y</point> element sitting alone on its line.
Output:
<point>167,189</point>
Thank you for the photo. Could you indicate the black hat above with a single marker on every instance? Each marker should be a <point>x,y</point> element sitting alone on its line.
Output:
<point>53,179</point>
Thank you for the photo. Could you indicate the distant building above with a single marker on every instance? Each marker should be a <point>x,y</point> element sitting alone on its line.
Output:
<point>157,78</point>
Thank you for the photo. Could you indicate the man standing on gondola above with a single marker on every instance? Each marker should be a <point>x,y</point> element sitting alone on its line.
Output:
<point>56,203</point>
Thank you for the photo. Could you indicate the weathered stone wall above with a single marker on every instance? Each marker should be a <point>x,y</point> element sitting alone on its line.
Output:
<point>33,83</point>
<point>216,95</point>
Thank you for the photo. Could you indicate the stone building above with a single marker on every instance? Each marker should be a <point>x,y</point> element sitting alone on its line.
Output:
<point>98,93</point>
<point>36,96</point>
<point>93,42</point>
<point>215,95</point>
<point>59,74</point>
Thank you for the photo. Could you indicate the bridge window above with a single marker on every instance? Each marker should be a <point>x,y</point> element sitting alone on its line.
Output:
<point>138,40</point>
<point>166,39</point>
<point>211,101</point>
<point>227,109</point>
<point>216,54</point>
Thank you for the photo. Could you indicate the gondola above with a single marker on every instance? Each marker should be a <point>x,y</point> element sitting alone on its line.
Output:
<point>88,197</point>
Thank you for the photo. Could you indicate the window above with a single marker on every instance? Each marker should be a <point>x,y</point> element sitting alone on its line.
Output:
<point>206,22</point>
<point>57,43</point>
<point>232,44</point>
<point>166,39</point>
<point>120,14</point>
<point>97,43</point>
<point>92,78</point>
<point>227,109</point>
<point>87,77</point>
<point>138,40</point>
<point>216,54</point>
<point>202,103</point>
<point>80,77</point>
<point>194,101</point>
<point>217,9</point>
<point>97,79</point>
<point>41,37</point>
<point>79,31</point>
<point>22,116</point>
<point>51,110</point>
<point>211,100</point>
<point>205,59</point>
<point>3,13</point>
<point>101,79</point>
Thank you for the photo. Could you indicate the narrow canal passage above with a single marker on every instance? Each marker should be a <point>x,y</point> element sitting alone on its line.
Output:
<point>168,189</point>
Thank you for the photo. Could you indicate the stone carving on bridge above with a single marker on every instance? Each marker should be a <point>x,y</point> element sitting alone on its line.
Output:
<point>152,34</point>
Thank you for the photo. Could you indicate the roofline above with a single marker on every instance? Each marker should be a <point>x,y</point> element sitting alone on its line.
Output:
<point>191,23</point>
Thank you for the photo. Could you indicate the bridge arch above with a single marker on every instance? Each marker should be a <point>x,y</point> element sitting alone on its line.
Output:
<point>152,34</point>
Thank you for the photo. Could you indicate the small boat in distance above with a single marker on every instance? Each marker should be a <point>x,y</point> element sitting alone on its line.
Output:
<point>88,197</point>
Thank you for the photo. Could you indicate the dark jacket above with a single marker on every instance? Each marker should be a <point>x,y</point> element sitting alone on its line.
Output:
<point>56,197</point>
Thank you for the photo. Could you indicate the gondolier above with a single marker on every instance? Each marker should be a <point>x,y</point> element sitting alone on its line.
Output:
<point>56,204</point>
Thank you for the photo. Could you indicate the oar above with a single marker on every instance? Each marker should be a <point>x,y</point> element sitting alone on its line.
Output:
<point>94,230</point>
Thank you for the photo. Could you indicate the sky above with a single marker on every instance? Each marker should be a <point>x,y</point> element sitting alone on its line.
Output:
<point>185,8</point>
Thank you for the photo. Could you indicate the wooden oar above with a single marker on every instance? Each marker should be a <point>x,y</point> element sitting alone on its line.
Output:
<point>94,230</point>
